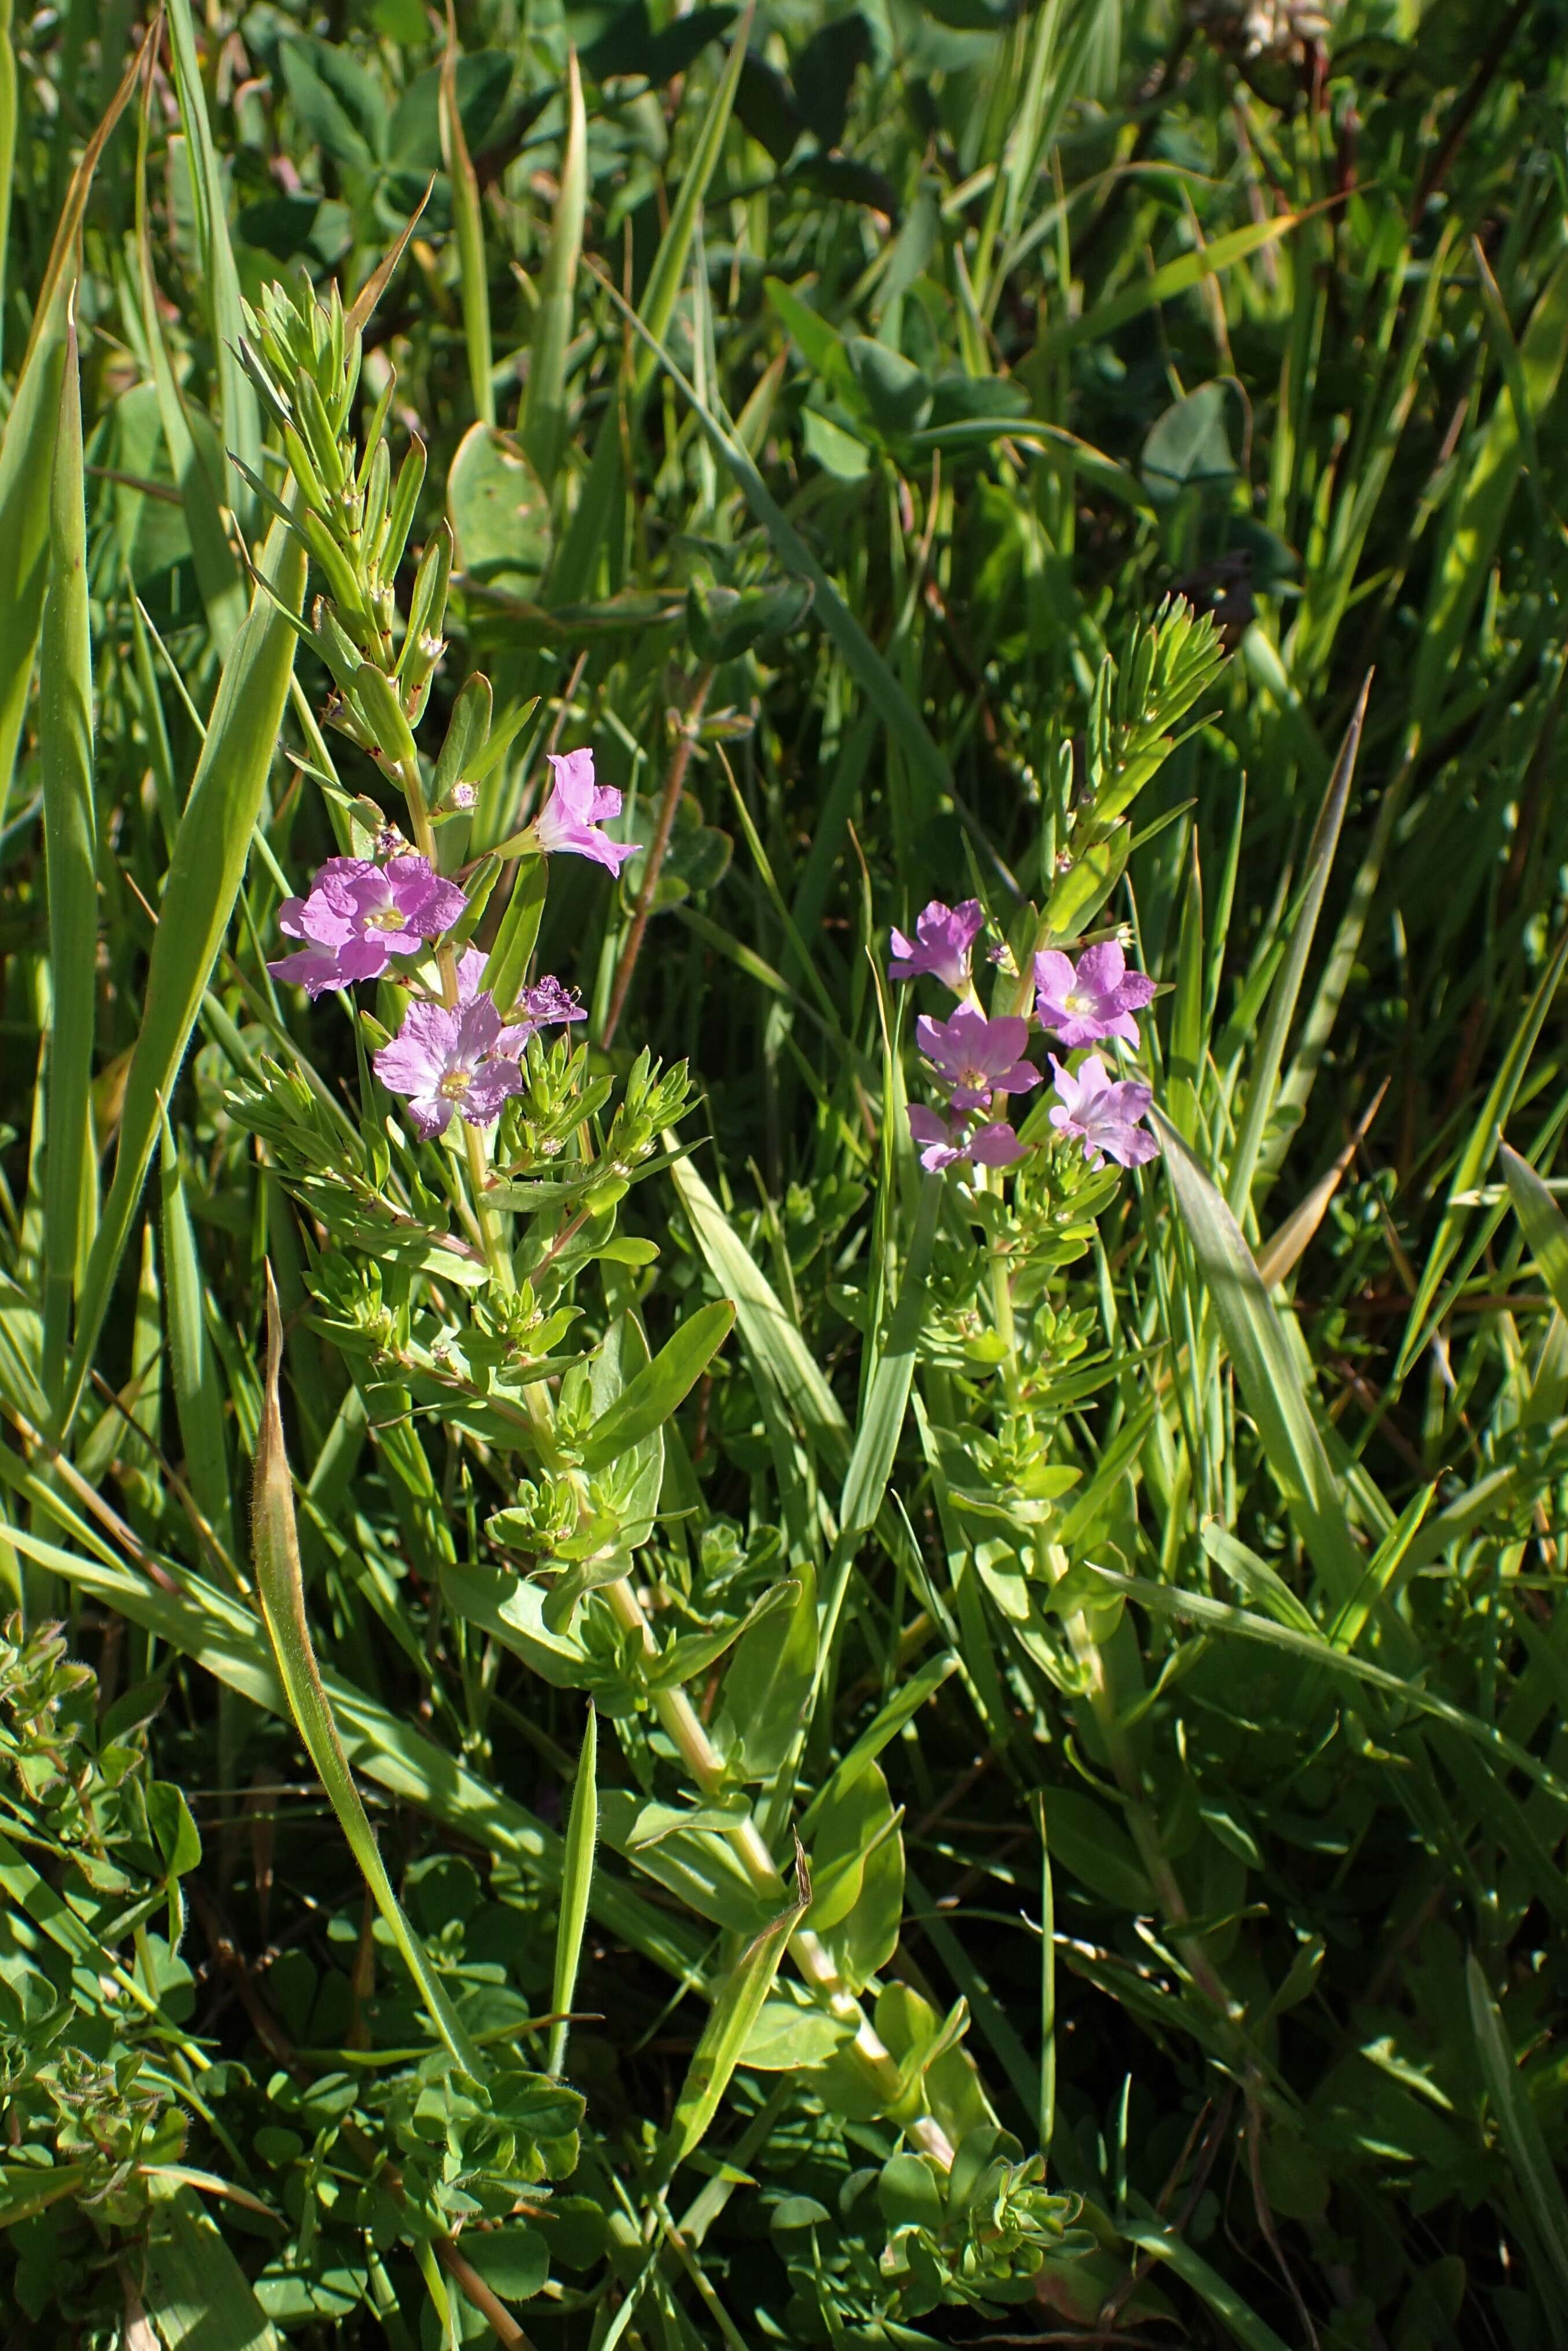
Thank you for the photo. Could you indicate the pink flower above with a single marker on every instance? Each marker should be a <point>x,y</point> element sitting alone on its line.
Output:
<point>446,1059</point>
<point>1101,1116</point>
<point>1097,1000</point>
<point>977,1057</point>
<point>359,916</point>
<point>943,938</point>
<point>577,806</point>
<point>994,1145</point>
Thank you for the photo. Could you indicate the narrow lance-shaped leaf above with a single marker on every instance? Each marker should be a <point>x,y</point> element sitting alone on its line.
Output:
<point>203,880</point>
<point>735,2009</point>
<point>281,1587</point>
<point>576,1879</point>
<point>64,735</point>
<point>650,1397</point>
<point>1544,1226</point>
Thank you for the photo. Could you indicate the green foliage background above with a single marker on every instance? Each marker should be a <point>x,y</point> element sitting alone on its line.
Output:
<point>1167,1686</point>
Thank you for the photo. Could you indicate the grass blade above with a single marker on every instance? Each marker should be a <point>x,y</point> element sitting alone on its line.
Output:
<point>1265,1369</point>
<point>65,738</point>
<point>281,1586</point>
<point>203,882</point>
<point>1476,1157</point>
<point>238,410</point>
<point>571,573</point>
<point>469,222</point>
<point>542,430</point>
<point>1287,988</point>
<point>1522,2134</point>
<point>735,2009</point>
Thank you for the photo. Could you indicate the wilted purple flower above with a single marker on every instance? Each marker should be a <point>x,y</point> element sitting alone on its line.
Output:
<point>574,811</point>
<point>1097,1000</point>
<point>359,916</point>
<point>977,1057</point>
<point>993,1146</point>
<point>540,1005</point>
<point>1103,1116</point>
<point>943,938</point>
<point>447,1057</point>
<point>464,796</point>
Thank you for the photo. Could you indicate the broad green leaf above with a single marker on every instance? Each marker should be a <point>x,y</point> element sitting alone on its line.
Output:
<point>196,2294</point>
<point>767,1686</point>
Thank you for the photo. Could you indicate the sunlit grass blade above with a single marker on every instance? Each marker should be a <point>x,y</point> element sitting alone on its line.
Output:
<point>1523,2137</point>
<point>1264,1068</point>
<point>7,145</point>
<point>1266,1369</point>
<point>281,1584</point>
<point>1543,1223</point>
<point>738,2003</point>
<point>196,1379</point>
<point>26,446</point>
<point>577,558</point>
<point>1474,1159</point>
<point>542,430</point>
<point>217,571</point>
<point>469,221</point>
<point>203,880</point>
<point>576,1884</point>
<point>65,737</point>
<point>239,410</point>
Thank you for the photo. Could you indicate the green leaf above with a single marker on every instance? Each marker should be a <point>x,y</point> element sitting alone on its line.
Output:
<point>178,1840</point>
<point>280,1583</point>
<point>196,2294</point>
<point>576,1884</point>
<point>767,1687</point>
<point>543,428</point>
<point>1190,446</point>
<point>498,512</point>
<point>238,409</point>
<point>203,880</point>
<point>1542,1221</point>
<point>469,221</point>
<point>651,1396</point>
<point>1266,1369</point>
<point>70,846</point>
<point>737,2004</point>
<point>1523,2137</point>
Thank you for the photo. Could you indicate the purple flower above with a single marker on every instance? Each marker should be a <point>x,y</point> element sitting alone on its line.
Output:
<point>451,1058</point>
<point>1101,1116</point>
<point>359,916</point>
<point>574,811</point>
<point>943,938</point>
<point>994,1145</point>
<point>977,1057</point>
<point>1096,1000</point>
<point>540,1005</point>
